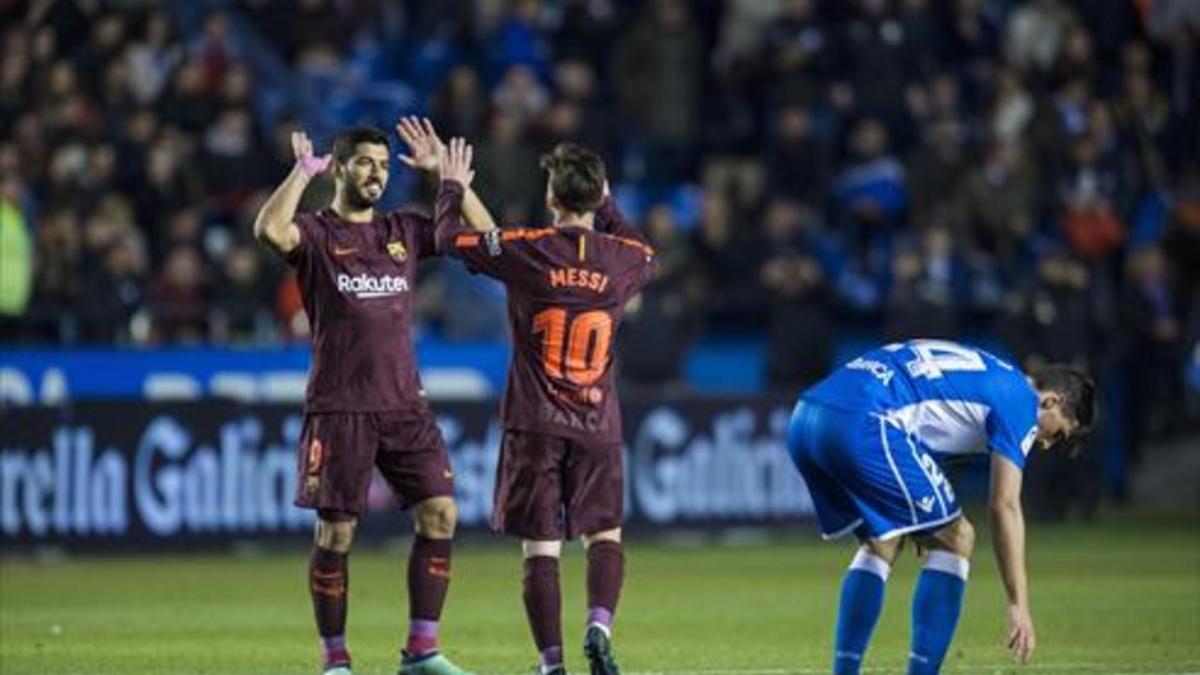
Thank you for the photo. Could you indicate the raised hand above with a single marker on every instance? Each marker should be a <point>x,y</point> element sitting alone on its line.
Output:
<point>424,146</point>
<point>456,162</point>
<point>302,147</point>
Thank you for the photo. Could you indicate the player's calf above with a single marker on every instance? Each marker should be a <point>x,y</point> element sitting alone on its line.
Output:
<point>542,595</point>
<point>428,578</point>
<point>329,585</point>
<point>605,577</point>
<point>938,596</point>
<point>861,603</point>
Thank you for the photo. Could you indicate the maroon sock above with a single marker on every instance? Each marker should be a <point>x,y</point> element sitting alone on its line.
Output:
<point>328,581</point>
<point>605,574</point>
<point>543,604</point>
<point>428,581</point>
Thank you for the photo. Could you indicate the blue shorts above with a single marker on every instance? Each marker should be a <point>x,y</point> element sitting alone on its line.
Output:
<point>867,475</point>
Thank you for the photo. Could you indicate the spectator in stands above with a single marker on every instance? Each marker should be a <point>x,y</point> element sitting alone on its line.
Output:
<point>518,40</point>
<point>241,310</point>
<point>577,85</point>
<point>521,95</point>
<point>1052,318</point>
<point>1154,358</point>
<point>664,313</point>
<point>1090,194</point>
<point>800,328</point>
<point>16,253</point>
<point>152,58</point>
<point>870,193</point>
<point>177,299</point>
<point>188,105</point>
<point>926,288</point>
<point>114,292</point>
<point>459,107</point>
<point>971,41</point>
<point>876,62</point>
<point>935,166</point>
<point>1035,34</point>
<point>1012,109</point>
<point>657,77</point>
<point>995,210</point>
<point>509,178</point>
<point>216,49</point>
<point>798,50</point>
<point>796,161</point>
<point>231,157</point>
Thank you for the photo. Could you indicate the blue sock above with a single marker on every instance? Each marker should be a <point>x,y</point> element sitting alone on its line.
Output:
<point>937,602</point>
<point>862,600</point>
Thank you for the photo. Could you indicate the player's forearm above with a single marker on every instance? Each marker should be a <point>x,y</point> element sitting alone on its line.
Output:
<point>447,215</point>
<point>475,213</point>
<point>274,224</point>
<point>1008,530</point>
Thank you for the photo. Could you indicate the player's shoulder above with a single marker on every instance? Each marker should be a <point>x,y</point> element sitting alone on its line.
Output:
<point>527,234</point>
<point>626,244</point>
<point>405,219</point>
<point>315,225</point>
<point>1011,391</point>
<point>320,218</point>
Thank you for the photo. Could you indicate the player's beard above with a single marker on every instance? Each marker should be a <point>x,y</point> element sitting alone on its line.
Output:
<point>360,197</point>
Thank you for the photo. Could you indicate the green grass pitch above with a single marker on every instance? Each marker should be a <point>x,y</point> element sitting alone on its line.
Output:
<point>1117,597</point>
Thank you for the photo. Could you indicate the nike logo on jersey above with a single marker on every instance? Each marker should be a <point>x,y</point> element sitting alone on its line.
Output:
<point>340,251</point>
<point>926,504</point>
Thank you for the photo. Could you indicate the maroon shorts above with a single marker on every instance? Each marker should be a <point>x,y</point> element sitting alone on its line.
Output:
<point>338,452</point>
<point>549,488</point>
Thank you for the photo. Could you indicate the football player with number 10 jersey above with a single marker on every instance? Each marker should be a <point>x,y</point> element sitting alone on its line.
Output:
<point>560,473</point>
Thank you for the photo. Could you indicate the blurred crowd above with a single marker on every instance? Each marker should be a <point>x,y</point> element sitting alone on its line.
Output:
<point>1021,168</point>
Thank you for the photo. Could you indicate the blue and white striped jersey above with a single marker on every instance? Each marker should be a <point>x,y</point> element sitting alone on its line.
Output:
<point>955,398</point>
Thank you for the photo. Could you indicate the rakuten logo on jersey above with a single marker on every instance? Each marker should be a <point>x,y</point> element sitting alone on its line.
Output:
<point>367,286</point>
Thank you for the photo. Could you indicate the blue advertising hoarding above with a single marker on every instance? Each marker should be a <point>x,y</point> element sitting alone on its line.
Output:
<point>118,475</point>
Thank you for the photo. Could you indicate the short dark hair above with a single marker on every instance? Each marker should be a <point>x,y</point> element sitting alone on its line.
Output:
<point>1077,388</point>
<point>576,177</point>
<point>348,139</point>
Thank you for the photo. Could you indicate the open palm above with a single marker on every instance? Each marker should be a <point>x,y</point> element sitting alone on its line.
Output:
<point>424,146</point>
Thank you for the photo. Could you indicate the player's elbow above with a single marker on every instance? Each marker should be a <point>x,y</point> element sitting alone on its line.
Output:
<point>262,229</point>
<point>273,235</point>
<point>1004,507</point>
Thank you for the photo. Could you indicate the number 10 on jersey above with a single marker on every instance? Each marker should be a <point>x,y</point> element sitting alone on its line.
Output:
<point>578,352</point>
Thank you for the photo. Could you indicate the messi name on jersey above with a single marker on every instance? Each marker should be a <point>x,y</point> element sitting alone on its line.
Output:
<point>573,277</point>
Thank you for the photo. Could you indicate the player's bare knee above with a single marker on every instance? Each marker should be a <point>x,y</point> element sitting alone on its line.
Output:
<point>964,538</point>
<point>887,550</point>
<point>604,535</point>
<point>541,549</point>
<point>957,537</point>
<point>436,518</point>
<point>335,533</point>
